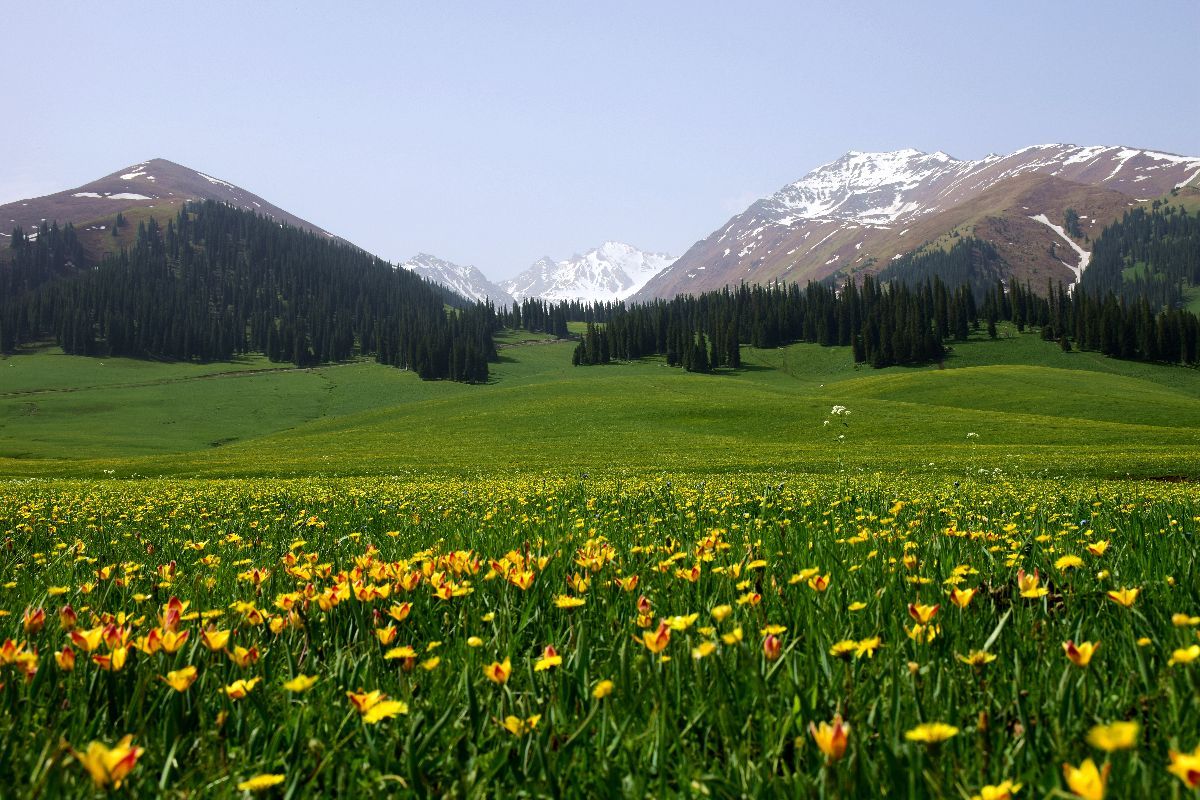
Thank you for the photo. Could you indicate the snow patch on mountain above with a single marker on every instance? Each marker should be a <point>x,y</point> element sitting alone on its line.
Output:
<point>463,280</point>
<point>1084,256</point>
<point>611,272</point>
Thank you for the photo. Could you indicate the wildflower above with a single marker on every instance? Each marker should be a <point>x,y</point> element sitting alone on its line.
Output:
<point>65,659</point>
<point>719,613</point>
<point>1097,548</point>
<point>1068,562</point>
<point>703,649</point>
<point>843,649</point>
<point>386,635</point>
<point>88,640</point>
<point>962,597</point>
<point>497,672</point>
<point>519,727</point>
<point>831,737</point>
<point>550,658</point>
<point>923,634</point>
<point>819,583</point>
<point>568,602</point>
<point>243,657</point>
<point>240,688</point>
<point>1185,655</point>
<point>656,642</point>
<point>400,611</point>
<point>260,782</point>
<point>1001,791</point>
<point>403,651</point>
<point>922,613</point>
<point>1186,766</point>
<point>867,647</point>
<point>856,606</point>
<point>474,641</point>
<point>1116,736</point>
<point>385,709</point>
<point>32,621</point>
<point>976,658</point>
<point>1123,597</point>
<point>931,733</point>
<point>602,689</point>
<point>114,661</point>
<point>678,623</point>
<point>733,637</point>
<point>67,618</point>
<point>1028,584</point>
<point>1184,621</point>
<point>215,639</point>
<point>180,679</point>
<point>1080,654</point>
<point>1085,780</point>
<point>772,647</point>
<point>300,683</point>
<point>109,766</point>
<point>750,599</point>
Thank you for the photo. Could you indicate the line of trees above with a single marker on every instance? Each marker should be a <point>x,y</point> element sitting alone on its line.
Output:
<point>219,282</point>
<point>1149,254</point>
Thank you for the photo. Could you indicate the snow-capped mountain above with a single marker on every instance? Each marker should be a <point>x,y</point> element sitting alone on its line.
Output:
<point>156,184</point>
<point>466,281</point>
<point>864,209</point>
<point>613,271</point>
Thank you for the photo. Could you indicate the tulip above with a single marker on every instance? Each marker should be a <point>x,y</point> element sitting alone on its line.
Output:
<point>831,737</point>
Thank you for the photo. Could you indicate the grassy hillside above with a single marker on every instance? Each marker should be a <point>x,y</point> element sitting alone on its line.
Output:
<point>1032,408</point>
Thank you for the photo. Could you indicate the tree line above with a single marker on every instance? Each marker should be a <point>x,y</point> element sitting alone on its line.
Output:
<point>218,282</point>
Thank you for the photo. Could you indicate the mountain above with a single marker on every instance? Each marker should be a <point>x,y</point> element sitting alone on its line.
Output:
<point>867,209</point>
<point>150,188</point>
<point>466,281</point>
<point>613,271</point>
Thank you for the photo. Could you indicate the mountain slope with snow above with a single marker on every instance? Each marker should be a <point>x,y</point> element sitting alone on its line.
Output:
<point>613,271</point>
<point>862,210</point>
<point>155,184</point>
<point>464,280</point>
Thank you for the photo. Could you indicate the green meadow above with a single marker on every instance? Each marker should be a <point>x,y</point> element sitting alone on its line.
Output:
<point>1016,404</point>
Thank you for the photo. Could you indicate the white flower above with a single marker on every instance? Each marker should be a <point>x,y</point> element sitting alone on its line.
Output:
<point>972,435</point>
<point>839,411</point>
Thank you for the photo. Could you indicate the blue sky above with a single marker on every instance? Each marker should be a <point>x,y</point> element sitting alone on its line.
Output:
<point>494,134</point>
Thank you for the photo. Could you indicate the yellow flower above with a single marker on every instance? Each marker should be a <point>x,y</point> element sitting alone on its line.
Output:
<point>962,597</point>
<point>109,766</point>
<point>931,733</point>
<point>214,639</point>
<point>681,623</point>
<point>181,679</point>
<point>1186,766</point>
<point>474,641</point>
<point>568,602</point>
<point>1184,621</point>
<point>819,583</point>
<point>867,647</point>
<point>733,637</point>
<point>1115,736</point>
<point>831,737</point>
<point>1068,562</point>
<point>721,612</point>
<point>1080,654</point>
<point>519,727</point>
<point>1085,780</point>
<point>1098,548</point>
<point>300,683</point>
<point>656,642</point>
<point>403,651</point>
<point>240,688</point>
<point>843,649</point>
<point>856,606</point>
<point>922,613</point>
<point>1001,791</point>
<point>260,782</point>
<point>498,672</point>
<point>703,649</point>
<point>1185,655</point>
<point>1028,584</point>
<point>976,658</point>
<point>1123,597</point>
<point>384,709</point>
<point>550,658</point>
<point>430,664</point>
<point>602,689</point>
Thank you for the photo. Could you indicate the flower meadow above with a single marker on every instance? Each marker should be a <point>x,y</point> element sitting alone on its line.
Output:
<point>756,635</point>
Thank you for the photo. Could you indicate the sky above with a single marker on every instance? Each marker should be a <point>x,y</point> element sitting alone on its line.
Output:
<point>497,133</point>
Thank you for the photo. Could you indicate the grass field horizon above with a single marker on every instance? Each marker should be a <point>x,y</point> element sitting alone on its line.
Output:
<point>1030,408</point>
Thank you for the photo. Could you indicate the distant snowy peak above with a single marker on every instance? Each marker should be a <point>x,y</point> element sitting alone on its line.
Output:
<point>466,281</point>
<point>613,271</point>
<point>885,188</point>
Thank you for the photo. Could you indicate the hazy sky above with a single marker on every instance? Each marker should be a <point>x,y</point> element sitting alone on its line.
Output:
<point>496,133</point>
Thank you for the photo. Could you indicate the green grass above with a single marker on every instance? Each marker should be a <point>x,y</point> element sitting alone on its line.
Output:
<point>733,722</point>
<point>1033,408</point>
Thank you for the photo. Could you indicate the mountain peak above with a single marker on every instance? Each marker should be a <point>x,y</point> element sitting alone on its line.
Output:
<point>464,280</point>
<point>608,273</point>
